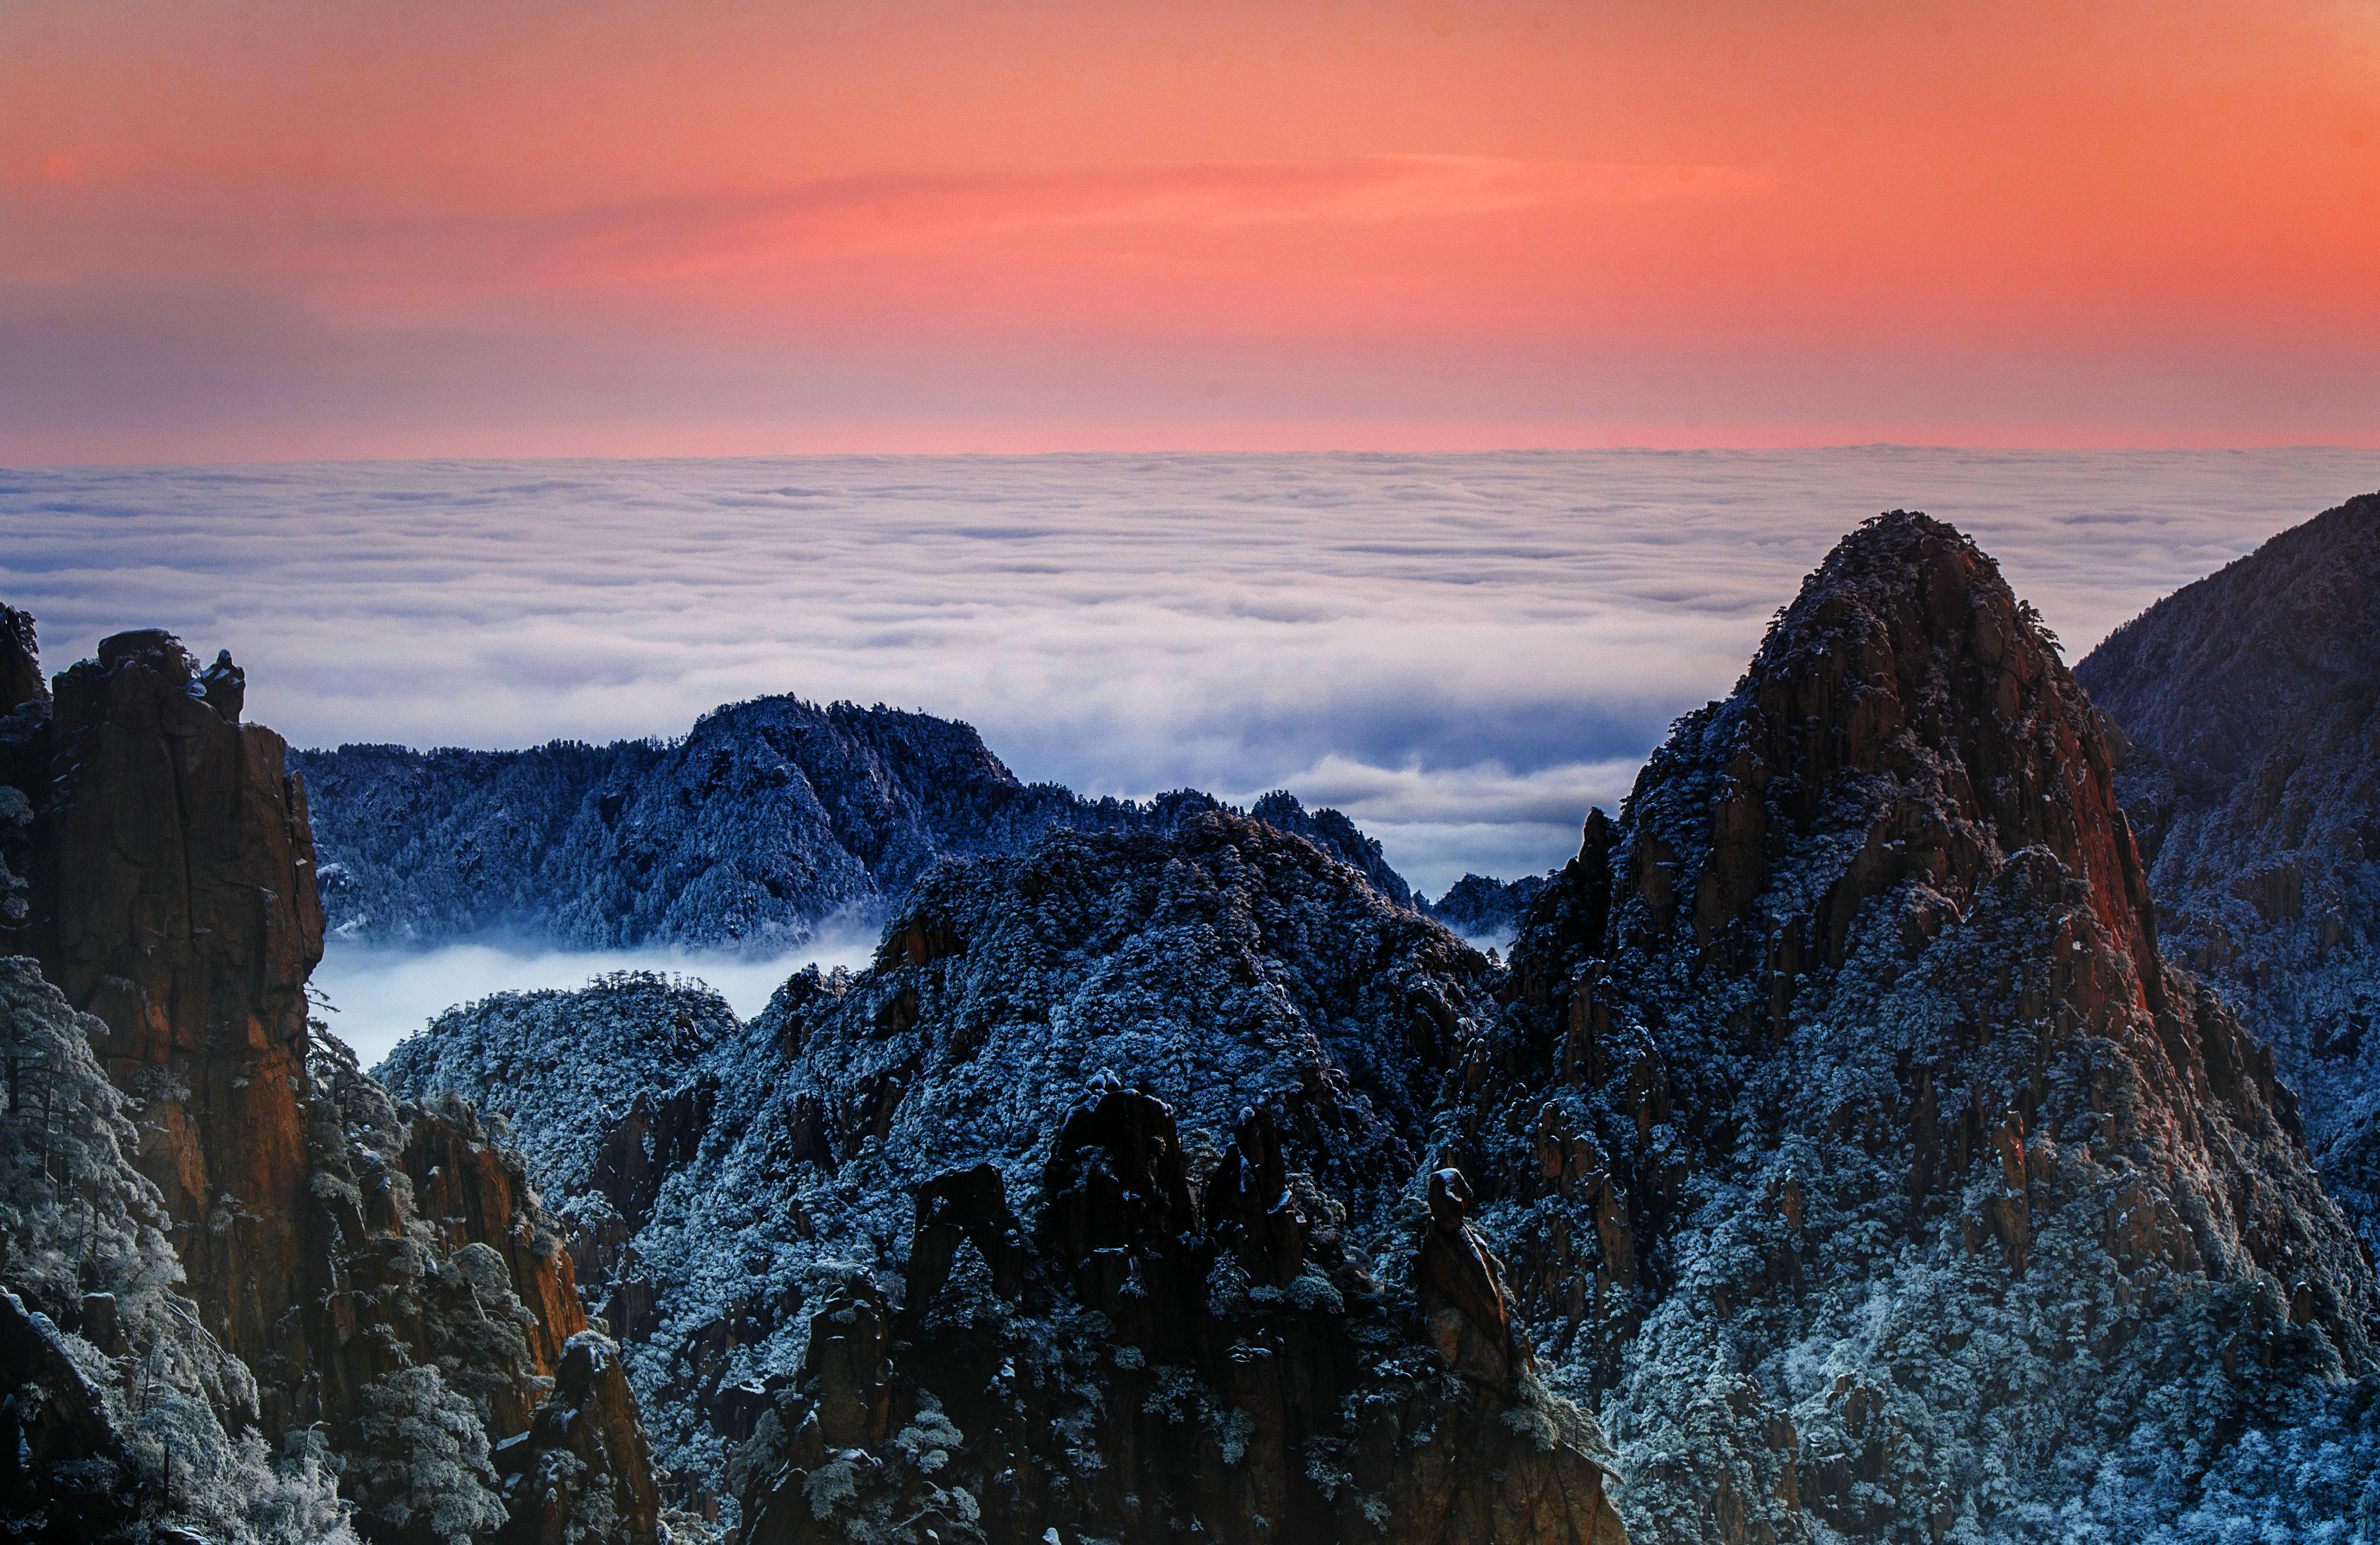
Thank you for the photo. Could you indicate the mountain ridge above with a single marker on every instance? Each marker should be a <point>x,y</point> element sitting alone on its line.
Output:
<point>1842,1151</point>
<point>770,816</point>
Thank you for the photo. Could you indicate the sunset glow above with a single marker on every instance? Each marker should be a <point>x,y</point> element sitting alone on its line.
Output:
<point>269,230</point>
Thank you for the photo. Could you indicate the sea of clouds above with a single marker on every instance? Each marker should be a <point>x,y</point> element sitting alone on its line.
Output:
<point>373,998</point>
<point>1462,652</point>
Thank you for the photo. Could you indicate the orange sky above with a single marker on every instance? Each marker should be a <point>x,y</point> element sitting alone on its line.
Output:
<point>329,228</point>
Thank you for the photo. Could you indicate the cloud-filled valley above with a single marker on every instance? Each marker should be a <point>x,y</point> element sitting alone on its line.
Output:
<point>1463,652</point>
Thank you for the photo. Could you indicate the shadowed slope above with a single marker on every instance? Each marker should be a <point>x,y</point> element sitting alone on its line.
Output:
<point>2250,704</point>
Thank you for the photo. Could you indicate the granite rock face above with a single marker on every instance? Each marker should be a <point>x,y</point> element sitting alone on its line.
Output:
<point>769,818</point>
<point>1848,1141</point>
<point>378,1280</point>
<point>2248,707</point>
<point>182,916</point>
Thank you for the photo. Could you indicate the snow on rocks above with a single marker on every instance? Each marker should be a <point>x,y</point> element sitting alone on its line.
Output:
<point>1223,969</point>
<point>771,816</point>
<point>1851,1147</point>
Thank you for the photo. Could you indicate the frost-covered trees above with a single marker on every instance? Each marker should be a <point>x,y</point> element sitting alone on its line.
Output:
<point>88,1260</point>
<point>422,1469</point>
<point>1223,966</point>
<point>771,816</point>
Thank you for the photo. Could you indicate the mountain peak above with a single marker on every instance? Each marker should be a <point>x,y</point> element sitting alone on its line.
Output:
<point>1909,706</point>
<point>1852,1033</point>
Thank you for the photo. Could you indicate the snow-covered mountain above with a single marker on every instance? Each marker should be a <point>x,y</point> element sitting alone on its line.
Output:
<point>1162,1092</point>
<point>1835,1157</point>
<point>1857,1156</point>
<point>1835,1139</point>
<point>2250,710</point>
<point>769,817</point>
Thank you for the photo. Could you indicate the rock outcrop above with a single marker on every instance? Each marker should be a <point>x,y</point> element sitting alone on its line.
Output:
<point>581,1471</point>
<point>378,1279</point>
<point>1847,1137</point>
<point>1192,1400</point>
<point>181,914</point>
<point>2248,710</point>
<point>24,748</point>
<point>21,660</point>
<point>769,818</point>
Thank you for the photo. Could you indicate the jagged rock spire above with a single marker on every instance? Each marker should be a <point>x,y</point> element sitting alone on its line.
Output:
<point>1841,1073</point>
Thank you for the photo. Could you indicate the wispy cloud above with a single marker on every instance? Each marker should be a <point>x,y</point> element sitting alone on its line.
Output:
<point>690,236</point>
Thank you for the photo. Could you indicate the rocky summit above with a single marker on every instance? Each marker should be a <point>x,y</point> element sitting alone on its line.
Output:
<point>1848,1148</point>
<point>1852,1147</point>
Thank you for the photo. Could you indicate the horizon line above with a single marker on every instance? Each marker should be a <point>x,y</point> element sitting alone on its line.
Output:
<point>2165,449</point>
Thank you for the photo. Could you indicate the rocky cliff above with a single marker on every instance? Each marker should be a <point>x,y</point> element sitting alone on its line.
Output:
<point>771,816</point>
<point>2249,706</point>
<point>379,1277</point>
<point>1853,1149</point>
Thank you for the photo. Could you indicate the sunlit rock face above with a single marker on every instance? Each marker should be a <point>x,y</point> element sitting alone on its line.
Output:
<point>771,816</point>
<point>384,1295</point>
<point>1850,1143</point>
<point>181,913</point>
<point>2249,705</point>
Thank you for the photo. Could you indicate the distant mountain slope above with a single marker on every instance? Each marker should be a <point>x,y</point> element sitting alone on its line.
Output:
<point>1478,905</point>
<point>2251,701</point>
<point>771,815</point>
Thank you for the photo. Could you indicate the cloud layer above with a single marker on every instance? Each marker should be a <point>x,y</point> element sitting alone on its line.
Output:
<point>1463,652</point>
<point>379,997</point>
